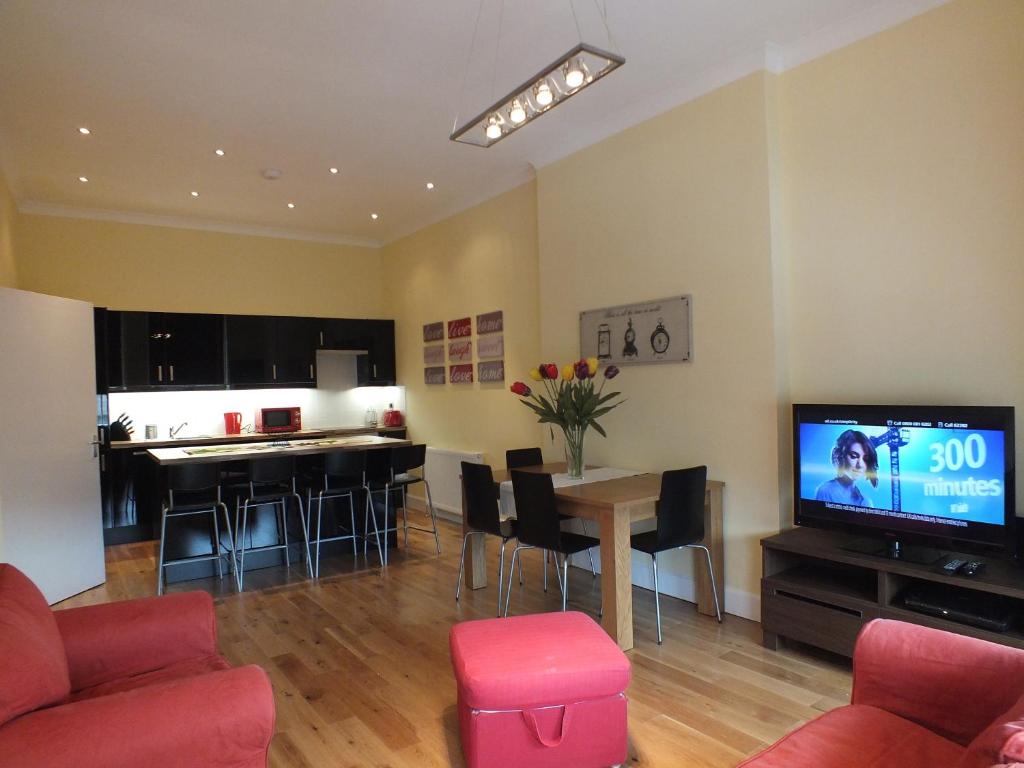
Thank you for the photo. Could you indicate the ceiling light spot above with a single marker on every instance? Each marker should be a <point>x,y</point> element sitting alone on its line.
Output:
<point>430,185</point>
<point>334,170</point>
<point>83,179</point>
<point>271,174</point>
<point>374,216</point>
<point>194,193</point>
<point>219,152</point>
<point>84,131</point>
<point>291,205</point>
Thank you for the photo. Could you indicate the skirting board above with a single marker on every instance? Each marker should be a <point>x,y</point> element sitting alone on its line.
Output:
<point>737,601</point>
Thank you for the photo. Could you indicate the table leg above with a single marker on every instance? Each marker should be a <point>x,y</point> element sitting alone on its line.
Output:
<point>476,555</point>
<point>714,541</point>
<point>616,579</point>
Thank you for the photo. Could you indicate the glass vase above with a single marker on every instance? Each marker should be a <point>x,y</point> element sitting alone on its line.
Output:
<point>574,452</point>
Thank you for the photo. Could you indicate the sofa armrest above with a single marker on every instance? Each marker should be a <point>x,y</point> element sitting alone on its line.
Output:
<point>112,640</point>
<point>950,684</point>
<point>220,718</point>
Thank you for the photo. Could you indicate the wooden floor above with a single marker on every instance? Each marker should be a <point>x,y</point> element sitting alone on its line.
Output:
<point>361,673</point>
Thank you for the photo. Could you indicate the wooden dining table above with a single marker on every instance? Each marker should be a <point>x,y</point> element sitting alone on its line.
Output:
<point>614,505</point>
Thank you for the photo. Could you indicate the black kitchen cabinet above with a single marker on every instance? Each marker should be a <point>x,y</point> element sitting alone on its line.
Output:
<point>376,338</point>
<point>272,351</point>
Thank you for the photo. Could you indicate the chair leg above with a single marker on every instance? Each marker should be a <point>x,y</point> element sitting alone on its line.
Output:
<point>233,564</point>
<point>711,573</point>
<point>590,552</point>
<point>657,597</point>
<point>319,519</point>
<point>501,574</point>
<point>305,533</point>
<point>216,545</point>
<point>376,531</point>
<point>565,580</point>
<point>508,598</point>
<point>405,520</point>
<point>284,528</point>
<point>520,573</point>
<point>387,501</point>
<point>433,518</point>
<point>241,559</point>
<point>160,559</point>
<point>547,555</point>
<point>352,518</point>
<point>462,564</point>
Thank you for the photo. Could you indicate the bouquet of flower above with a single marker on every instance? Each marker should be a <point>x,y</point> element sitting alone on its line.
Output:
<point>571,402</point>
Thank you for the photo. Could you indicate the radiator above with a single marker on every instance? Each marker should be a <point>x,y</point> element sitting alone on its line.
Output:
<point>443,471</point>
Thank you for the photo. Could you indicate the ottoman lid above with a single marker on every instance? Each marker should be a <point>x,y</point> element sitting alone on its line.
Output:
<point>536,660</point>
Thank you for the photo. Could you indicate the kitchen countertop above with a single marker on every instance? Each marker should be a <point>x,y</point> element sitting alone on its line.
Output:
<point>251,437</point>
<point>182,454</point>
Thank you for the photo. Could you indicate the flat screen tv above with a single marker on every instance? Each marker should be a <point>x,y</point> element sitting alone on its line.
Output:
<point>940,476</point>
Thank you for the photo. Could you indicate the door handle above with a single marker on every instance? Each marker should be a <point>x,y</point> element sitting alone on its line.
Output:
<point>321,338</point>
<point>375,370</point>
<point>311,374</point>
<point>171,369</point>
<point>95,447</point>
<point>274,367</point>
<point>159,373</point>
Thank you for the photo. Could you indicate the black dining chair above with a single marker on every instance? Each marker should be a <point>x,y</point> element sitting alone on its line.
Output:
<point>537,526</point>
<point>342,475</point>
<point>404,459</point>
<point>516,458</point>
<point>680,523</point>
<point>483,517</point>
<point>378,483</point>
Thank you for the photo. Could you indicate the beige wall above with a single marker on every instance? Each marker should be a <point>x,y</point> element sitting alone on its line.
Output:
<point>478,261</point>
<point>8,217</point>
<point>903,160</point>
<point>679,205</point>
<point>143,267</point>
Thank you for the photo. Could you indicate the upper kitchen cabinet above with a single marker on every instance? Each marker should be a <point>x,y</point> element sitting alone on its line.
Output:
<point>374,337</point>
<point>272,351</point>
<point>162,349</point>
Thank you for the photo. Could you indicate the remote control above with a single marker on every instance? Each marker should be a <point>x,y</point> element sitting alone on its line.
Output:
<point>973,567</point>
<point>953,566</point>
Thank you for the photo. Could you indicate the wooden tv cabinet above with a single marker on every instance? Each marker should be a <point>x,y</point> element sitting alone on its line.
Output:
<point>816,592</point>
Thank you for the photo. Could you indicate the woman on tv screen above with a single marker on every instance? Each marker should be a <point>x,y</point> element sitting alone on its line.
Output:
<point>854,458</point>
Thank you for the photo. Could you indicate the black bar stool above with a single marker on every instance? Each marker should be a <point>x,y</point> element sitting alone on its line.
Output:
<point>194,489</point>
<point>343,474</point>
<point>271,483</point>
<point>404,459</point>
<point>378,481</point>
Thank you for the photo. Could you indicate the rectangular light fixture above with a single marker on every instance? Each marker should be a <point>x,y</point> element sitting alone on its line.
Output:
<point>567,76</point>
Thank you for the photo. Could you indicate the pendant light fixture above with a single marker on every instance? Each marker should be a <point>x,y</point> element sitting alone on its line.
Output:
<point>574,71</point>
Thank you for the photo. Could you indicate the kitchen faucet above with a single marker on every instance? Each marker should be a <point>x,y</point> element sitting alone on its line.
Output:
<point>177,429</point>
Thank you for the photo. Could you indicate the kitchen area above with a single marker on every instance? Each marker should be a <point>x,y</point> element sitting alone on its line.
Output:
<point>182,380</point>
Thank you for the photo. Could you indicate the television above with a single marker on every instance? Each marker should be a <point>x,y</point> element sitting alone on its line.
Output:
<point>924,476</point>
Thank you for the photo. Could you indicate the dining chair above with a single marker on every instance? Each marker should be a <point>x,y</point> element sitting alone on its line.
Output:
<point>194,489</point>
<point>342,475</point>
<point>482,517</point>
<point>537,525</point>
<point>271,483</point>
<point>378,482</point>
<point>404,459</point>
<point>516,458</point>
<point>680,523</point>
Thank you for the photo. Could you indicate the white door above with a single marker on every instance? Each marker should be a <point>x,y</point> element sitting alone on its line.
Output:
<point>50,515</point>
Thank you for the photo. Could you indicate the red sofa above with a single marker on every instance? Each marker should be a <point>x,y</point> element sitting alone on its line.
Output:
<point>138,682</point>
<point>921,697</point>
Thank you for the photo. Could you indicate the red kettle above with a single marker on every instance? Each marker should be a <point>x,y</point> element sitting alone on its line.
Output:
<point>393,418</point>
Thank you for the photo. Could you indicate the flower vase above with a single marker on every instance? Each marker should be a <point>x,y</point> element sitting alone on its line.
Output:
<point>574,453</point>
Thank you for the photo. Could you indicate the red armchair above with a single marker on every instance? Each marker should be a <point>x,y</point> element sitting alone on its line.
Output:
<point>921,697</point>
<point>138,682</point>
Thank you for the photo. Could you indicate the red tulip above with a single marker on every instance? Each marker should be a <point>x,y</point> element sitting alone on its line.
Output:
<point>520,389</point>
<point>550,371</point>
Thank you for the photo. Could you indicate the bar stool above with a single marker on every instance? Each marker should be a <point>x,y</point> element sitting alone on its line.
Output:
<point>198,493</point>
<point>271,483</point>
<point>378,480</point>
<point>343,474</point>
<point>404,459</point>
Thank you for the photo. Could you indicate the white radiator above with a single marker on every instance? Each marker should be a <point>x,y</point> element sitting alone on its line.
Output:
<point>443,472</point>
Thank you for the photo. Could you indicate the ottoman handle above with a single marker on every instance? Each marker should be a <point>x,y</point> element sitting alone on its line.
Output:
<point>531,721</point>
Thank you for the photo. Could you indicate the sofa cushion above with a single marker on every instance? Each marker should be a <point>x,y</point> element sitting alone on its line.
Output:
<point>33,665</point>
<point>176,671</point>
<point>1001,742</point>
<point>859,735</point>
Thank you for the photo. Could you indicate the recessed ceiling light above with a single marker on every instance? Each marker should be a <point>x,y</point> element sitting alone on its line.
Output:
<point>291,205</point>
<point>334,170</point>
<point>430,185</point>
<point>194,194</point>
<point>84,131</point>
<point>374,216</point>
<point>219,152</point>
<point>83,179</point>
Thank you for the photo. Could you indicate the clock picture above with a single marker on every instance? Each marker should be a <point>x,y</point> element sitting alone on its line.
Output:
<point>630,350</point>
<point>660,338</point>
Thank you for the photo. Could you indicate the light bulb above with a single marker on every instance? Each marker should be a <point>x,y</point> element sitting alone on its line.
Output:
<point>542,93</point>
<point>574,74</point>
<point>84,131</point>
<point>493,128</point>
<point>517,114</point>
<point>194,193</point>
<point>291,205</point>
<point>219,152</point>
<point>83,179</point>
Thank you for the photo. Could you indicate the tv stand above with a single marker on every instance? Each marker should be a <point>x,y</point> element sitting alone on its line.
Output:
<point>894,549</point>
<point>821,587</point>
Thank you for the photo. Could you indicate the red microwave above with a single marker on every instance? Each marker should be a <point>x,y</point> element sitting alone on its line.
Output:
<point>270,420</point>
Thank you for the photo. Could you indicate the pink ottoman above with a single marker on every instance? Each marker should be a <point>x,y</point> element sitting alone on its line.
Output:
<point>540,690</point>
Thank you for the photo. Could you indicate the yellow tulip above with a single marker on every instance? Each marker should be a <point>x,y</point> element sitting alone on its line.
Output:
<point>591,365</point>
<point>535,374</point>
<point>568,372</point>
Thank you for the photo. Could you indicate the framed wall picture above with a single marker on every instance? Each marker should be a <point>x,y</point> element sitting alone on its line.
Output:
<point>434,375</point>
<point>460,351</point>
<point>645,332</point>
<point>460,329</point>
<point>461,374</point>
<point>491,371</point>
<point>490,346</point>
<point>491,322</point>
<point>433,354</point>
<point>433,332</point>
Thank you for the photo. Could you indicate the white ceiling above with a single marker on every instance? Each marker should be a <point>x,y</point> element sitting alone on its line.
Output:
<point>371,87</point>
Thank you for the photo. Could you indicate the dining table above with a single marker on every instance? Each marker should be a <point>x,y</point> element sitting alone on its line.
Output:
<point>614,504</point>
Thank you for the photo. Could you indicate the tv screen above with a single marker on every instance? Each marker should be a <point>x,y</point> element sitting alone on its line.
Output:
<point>938,473</point>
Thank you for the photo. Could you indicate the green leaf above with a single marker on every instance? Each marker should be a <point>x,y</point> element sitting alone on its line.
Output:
<point>599,428</point>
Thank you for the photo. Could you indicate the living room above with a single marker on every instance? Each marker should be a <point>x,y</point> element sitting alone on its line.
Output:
<point>846,220</point>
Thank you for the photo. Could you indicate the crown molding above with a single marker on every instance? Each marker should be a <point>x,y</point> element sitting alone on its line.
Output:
<point>36,208</point>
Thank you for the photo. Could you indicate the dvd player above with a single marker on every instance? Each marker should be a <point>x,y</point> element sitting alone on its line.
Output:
<point>978,609</point>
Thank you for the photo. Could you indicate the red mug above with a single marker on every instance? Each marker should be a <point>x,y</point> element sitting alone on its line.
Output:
<point>233,423</point>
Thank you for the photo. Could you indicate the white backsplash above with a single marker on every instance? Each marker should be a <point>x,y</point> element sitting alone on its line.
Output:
<point>336,402</point>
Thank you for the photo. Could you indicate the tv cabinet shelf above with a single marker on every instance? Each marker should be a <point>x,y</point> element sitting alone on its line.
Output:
<point>816,591</point>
